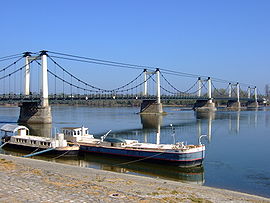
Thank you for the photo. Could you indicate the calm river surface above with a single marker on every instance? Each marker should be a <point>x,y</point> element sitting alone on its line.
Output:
<point>237,143</point>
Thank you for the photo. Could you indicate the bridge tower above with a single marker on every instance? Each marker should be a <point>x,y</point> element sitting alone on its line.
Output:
<point>36,112</point>
<point>152,106</point>
<point>203,104</point>
<point>199,87</point>
<point>234,104</point>
<point>27,56</point>
<point>145,82</point>
<point>253,102</point>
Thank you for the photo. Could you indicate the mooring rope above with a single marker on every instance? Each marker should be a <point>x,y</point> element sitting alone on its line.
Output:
<point>139,159</point>
<point>3,145</point>
<point>61,155</point>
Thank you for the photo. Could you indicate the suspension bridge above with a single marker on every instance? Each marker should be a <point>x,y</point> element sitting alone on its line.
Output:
<point>54,83</point>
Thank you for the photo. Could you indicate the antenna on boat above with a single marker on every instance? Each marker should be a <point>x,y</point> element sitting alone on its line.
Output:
<point>55,132</point>
<point>102,138</point>
<point>173,133</point>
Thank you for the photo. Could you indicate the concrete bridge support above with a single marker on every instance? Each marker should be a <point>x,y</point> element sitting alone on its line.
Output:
<point>151,107</point>
<point>233,105</point>
<point>34,113</point>
<point>205,105</point>
<point>37,112</point>
<point>252,105</point>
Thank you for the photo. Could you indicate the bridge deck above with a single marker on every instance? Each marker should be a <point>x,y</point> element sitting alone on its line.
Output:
<point>9,98</point>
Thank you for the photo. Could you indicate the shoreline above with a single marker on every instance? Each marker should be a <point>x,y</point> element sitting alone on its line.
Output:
<point>32,180</point>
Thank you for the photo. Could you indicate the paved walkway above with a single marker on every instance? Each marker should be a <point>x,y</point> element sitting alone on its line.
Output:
<point>31,180</point>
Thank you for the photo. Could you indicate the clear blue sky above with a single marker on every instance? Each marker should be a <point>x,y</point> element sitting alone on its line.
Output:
<point>228,39</point>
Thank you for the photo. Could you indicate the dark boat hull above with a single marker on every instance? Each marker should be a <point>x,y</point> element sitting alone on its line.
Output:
<point>179,159</point>
<point>29,149</point>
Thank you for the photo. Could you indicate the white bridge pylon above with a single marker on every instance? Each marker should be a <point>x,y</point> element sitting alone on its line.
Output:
<point>44,90</point>
<point>231,87</point>
<point>145,90</point>
<point>209,88</point>
<point>44,76</point>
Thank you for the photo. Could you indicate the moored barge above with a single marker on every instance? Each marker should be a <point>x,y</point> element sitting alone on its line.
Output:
<point>17,137</point>
<point>178,154</point>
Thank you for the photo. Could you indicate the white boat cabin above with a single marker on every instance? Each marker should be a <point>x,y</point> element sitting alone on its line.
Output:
<point>19,135</point>
<point>12,130</point>
<point>75,134</point>
<point>39,142</point>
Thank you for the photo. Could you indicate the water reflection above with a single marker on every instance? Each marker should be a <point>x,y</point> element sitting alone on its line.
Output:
<point>111,163</point>
<point>194,175</point>
<point>43,130</point>
<point>152,122</point>
<point>209,116</point>
<point>237,129</point>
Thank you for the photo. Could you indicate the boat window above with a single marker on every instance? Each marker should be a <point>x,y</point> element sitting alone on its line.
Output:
<point>86,131</point>
<point>74,133</point>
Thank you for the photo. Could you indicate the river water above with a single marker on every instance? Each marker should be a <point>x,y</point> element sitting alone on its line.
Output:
<point>237,143</point>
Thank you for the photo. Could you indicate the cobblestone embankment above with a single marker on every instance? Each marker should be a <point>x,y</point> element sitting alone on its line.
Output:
<point>31,180</point>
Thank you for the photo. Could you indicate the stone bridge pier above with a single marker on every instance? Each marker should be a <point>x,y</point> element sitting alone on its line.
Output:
<point>233,104</point>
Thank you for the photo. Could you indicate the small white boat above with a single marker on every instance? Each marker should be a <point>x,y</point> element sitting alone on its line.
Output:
<point>17,136</point>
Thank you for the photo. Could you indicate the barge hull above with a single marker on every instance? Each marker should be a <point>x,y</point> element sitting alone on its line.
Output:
<point>29,149</point>
<point>179,159</point>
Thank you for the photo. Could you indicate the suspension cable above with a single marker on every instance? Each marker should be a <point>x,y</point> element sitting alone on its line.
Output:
<point>9,58</point>
<point>103,61</point>
<point>217,90</point>
<point>176,88</point>
<point>15,71</point>
<point>14,55</point>
<point>100,89</point>
<point>7,67</point>
<point>64,81</point>
<point>98,63</point>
